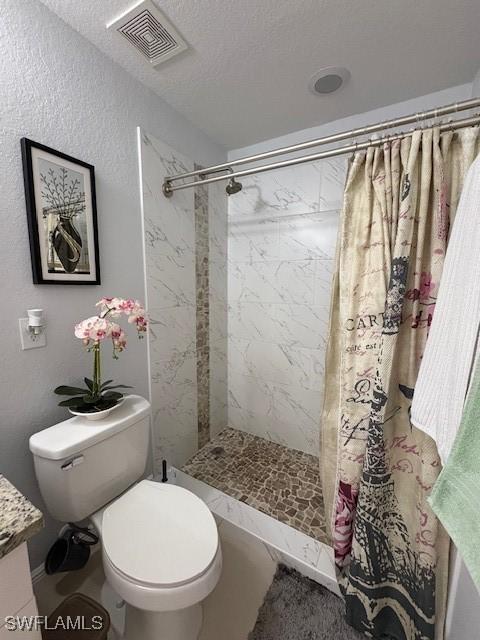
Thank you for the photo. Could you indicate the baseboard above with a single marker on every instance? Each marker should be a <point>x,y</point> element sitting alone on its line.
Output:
<point>38,574</point>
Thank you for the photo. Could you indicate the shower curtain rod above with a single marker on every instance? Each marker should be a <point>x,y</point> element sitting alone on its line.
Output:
<point>168,188</point>
<point>336,137</point>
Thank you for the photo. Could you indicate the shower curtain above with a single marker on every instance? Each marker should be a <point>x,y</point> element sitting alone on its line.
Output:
<point>391,553</point>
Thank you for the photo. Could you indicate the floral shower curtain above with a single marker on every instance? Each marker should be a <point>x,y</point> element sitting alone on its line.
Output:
<point>391,553</point>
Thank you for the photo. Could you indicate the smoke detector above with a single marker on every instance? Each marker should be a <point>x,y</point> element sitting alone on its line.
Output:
<point>328,80</point>
<point>150,32</point>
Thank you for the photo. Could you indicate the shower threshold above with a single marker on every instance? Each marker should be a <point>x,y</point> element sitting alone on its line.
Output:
<point>280,482</point>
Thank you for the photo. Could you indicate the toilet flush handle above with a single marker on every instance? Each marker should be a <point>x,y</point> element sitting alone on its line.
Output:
<point>72,463</point>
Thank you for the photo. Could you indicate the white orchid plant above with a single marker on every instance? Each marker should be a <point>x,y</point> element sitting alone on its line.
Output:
<point>98,396</point>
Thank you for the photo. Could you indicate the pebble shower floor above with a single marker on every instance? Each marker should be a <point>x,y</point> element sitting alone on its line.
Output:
<point>282,483</point>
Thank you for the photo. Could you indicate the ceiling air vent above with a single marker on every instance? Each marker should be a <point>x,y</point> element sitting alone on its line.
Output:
<point>149,31</point>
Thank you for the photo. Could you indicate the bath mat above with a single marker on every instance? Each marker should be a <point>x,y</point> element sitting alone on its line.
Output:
<point>92,619</point>
<point>296,608</point>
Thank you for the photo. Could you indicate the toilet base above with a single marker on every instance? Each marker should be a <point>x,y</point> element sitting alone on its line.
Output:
<point>183,624</point>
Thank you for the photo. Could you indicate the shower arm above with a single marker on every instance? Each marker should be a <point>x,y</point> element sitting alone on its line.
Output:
<point>169,185</point>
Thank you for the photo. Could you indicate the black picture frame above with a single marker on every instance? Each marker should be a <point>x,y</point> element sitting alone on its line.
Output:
<point>61,210</point>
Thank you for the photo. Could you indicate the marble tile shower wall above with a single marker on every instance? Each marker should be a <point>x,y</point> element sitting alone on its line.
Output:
<point>281,247</point>
<point>172,298</point>
<point>218,302</point>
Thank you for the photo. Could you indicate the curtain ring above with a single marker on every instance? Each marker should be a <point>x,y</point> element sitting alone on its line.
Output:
<point>420,117</point>
<point>354,144</point>
<point>424,125</point>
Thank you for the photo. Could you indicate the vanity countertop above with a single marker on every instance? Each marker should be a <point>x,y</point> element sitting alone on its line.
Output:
<point>19,519</point>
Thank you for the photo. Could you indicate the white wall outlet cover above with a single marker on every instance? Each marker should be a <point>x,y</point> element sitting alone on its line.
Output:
<point>27,339</point>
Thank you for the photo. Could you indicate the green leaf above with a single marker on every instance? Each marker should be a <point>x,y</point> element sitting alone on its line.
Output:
<point>89,383</point>
<point>105,383</point>
<point>63,390</point>
<point>72,402</point>
<point>117,386</point>
<point>112,395</point>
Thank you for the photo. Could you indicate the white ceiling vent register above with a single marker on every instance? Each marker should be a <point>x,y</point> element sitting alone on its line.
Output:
<point>149,31</point>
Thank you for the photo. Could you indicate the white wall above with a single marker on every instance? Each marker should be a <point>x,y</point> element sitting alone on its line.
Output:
<point>282,236</point>
<point>430,101</point>
<point>57,89</point>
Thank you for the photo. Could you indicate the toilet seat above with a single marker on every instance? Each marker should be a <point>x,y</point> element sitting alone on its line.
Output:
<point>159,536</point>
<point>155,598</point>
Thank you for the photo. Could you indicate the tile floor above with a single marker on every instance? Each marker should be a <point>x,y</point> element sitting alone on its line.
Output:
<point>231,609</point>
<point>281,482</point>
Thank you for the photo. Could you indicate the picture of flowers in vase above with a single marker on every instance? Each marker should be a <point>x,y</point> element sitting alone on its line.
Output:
<point>62,217</point>
<point>63,205</point>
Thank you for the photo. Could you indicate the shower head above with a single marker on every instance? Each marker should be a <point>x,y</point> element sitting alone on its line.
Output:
<point>233,187</point>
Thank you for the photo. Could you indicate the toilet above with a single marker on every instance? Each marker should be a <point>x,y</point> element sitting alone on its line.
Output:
<point>160,545</point>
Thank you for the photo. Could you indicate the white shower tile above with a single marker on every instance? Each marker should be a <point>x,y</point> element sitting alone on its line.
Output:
<point>253,239</point>
<point>323,282</point>
<point>166,237</point>
<point>174,407</point>
<point>333,175</point>
<point>277,362</point>
<point>289,190</point>
<point>218,318</point>
<point>179,368</point>
<point>273,282</point>
<point>218,386</point>
<point>300,407</point>
<point>218,282</point>
<point>175,437</point>
<point>171,330</point>
<point>284,413</point>
<point>250,394</point>
<point>180,397</point>
<point>217,222</point>
<point>169,224</point>
<point>218,404</point>
<point>302,436</point>
<point>218,358</point>
<point>306,237</point>
<point>253,321</point>
<point>289,324</point>
<point>171,280</point>
<point>302,325</point>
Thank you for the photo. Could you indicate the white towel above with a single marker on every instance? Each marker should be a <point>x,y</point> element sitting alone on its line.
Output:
<point>444,375</point>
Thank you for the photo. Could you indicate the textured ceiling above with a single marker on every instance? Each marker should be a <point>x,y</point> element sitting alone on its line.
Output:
<point>245,76</point>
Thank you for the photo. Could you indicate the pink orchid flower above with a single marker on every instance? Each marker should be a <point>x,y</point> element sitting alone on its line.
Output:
<point>98,328</point>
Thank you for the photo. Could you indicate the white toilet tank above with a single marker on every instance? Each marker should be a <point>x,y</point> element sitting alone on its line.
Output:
<point>82,465</point>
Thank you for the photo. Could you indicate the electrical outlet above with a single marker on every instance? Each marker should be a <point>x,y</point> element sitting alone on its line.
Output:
<point>27,339</point>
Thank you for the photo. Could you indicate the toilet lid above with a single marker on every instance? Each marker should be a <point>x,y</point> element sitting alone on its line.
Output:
<point>159,534</point>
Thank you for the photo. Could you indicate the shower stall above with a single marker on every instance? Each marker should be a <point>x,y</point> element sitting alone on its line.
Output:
<point>238,283</point>
<point>238,292</point>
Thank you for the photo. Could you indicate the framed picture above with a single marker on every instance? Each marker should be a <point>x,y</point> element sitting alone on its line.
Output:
<point>62,216</point>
